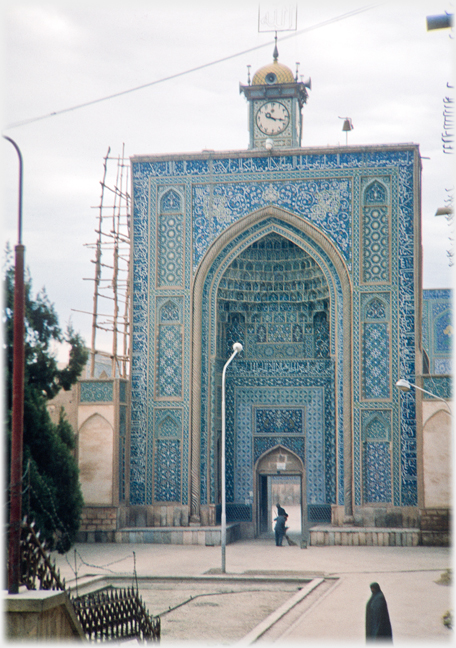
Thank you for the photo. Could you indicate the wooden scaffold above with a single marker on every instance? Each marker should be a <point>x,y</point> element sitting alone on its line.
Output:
<point>112,267</point>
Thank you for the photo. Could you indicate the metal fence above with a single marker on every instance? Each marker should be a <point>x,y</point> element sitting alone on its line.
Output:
<point>106,615</point>
<point>319,513</point>
<point>235,512</point>
<point>110,615</point>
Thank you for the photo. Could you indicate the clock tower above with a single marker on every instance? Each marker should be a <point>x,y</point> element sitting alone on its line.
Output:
<point>275,101</point>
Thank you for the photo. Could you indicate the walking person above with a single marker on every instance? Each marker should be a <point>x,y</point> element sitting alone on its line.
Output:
<point>378,625</point>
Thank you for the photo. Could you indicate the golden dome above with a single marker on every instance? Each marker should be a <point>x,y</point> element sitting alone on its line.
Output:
<point>273,73</point>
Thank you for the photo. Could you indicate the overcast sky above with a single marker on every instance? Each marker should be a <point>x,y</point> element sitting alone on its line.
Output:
<point>379,66</point>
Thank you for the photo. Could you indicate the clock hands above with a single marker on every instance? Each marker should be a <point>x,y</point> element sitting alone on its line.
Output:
<point>269,116</point>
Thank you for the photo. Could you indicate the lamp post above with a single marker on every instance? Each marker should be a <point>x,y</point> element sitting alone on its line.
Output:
<point>405,386</point>
<point>237,348</point>
<point>18,402</point>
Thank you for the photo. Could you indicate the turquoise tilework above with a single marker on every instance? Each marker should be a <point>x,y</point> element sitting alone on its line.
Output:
<point>441,386</point>
<point>169,381</point>
<point>377,473</point>
<point>247,440</point>
<point>170,238</point>
<point>324,202</point>
<point>167,470</point>
<point>96,391</point>
<point>438,330</point>
<point>247,239</point>
<point>324,188</point>
<point>123,388</point>
<point>376,383</point>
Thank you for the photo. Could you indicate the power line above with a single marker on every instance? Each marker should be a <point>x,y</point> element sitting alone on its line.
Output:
<point>344,16</point>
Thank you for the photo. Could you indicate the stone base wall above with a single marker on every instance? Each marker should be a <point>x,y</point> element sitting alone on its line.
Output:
<point>359,537</point>
<point>205,536</point>
<point>98,518</point>
<point>435,527</point>
<point>435,539</point>
<point>378,516</point>
<point>435,520</point>
<point>155,516</point>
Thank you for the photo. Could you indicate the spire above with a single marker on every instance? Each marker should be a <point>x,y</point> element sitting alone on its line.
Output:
<point>275,54</point>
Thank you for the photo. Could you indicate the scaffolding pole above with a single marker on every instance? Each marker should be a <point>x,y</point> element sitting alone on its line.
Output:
<point>112,267</point>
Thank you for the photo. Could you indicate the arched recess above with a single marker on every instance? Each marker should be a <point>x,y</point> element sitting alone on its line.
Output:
<point>95,452</point>
<point>279,463</point>
<point>437,459</point>
<point>223,250</point>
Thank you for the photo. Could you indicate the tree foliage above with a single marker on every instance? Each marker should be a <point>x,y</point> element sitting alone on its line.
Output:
<point>52,493</point>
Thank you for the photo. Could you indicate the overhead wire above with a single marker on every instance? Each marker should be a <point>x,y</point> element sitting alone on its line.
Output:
<point>197,68</point>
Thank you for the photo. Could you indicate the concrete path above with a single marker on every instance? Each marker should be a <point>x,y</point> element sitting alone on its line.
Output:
<point>408,577</point>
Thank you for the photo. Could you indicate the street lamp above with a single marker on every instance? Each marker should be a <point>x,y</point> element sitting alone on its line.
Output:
<point>405,386</point>
<point>237,348</point>
<point>17,416</point>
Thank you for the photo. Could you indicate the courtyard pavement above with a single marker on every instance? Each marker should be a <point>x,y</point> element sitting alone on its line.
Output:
<point>410,577</point>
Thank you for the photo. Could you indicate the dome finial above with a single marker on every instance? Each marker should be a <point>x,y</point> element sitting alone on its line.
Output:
<point>275,54</point>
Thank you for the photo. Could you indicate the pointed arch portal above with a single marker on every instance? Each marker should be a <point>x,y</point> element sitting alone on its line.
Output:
<point>278,282</point>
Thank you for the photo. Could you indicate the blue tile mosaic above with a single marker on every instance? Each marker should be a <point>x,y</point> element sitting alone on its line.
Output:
<point>437,330</point>
<point>96,391</point>
<point>123,388</point>
<point>279,421</point>
<point>376,379</point>
<point>441,386</point>
<point>377,472</point>
<point>327,203</point>
<point>332,191</point>
<point>246,436</point>
<point>167,471</point>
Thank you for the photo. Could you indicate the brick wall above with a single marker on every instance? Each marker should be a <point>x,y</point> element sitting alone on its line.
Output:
<point>435,520</point>
<point>99,518</point>
<point>435,527</point>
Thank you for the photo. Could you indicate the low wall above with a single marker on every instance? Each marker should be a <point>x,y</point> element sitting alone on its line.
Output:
<point>364,536</point>
<point>41,615</point>
<point>205,536</point>
<point>435,527</point>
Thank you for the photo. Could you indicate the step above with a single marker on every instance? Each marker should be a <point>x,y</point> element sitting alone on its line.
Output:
<point>326,535</point>
<point>208,536</point>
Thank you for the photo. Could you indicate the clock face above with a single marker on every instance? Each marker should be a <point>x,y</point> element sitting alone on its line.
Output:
<point>272,118</point>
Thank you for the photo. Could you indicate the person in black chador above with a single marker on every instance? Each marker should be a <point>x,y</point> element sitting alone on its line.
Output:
<point>378,625</point>
<point>280,510</point>
<point>280,529</point>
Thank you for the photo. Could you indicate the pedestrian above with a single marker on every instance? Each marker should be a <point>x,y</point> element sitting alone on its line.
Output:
<point>280,510</point>
<point>378,625</point>
<point>280,529</point>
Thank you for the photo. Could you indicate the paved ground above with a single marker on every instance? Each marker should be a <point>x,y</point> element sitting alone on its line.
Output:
<point>409,578</point>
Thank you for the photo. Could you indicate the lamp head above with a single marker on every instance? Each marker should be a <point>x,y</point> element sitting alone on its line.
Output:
<point>269,144</point>
<point>403,385</point>
<point>237,346</point>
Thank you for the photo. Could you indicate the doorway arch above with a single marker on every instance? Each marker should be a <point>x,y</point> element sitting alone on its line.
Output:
<point>280,479</point>
<point>227,247</point>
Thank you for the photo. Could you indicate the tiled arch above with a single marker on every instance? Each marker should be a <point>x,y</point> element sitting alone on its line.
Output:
<point>223,250</point>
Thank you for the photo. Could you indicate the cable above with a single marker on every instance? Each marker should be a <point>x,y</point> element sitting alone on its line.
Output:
<point>196,596</point>
<point>105,567</point>
<point>349,14</point>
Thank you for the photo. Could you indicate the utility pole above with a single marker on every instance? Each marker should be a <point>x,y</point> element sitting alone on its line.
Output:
<point>14,555</point>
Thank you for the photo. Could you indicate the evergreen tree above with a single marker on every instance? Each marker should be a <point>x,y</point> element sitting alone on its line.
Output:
<point>52,493</point>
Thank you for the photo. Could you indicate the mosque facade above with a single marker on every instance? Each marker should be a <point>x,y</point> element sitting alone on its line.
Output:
<point>311,259</point>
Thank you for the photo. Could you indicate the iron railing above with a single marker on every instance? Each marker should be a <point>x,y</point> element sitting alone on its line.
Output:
<point>110,615</point>
<point>105,615</point>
